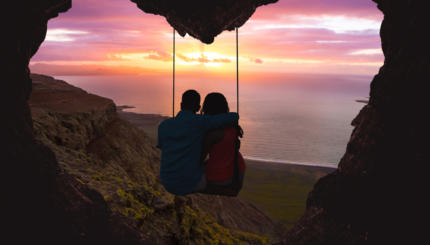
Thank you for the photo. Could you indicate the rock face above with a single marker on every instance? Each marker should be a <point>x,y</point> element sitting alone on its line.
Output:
<point>203,20</point>
<point>375,196</point>
<point>121,166</point>
<point>40,202</point>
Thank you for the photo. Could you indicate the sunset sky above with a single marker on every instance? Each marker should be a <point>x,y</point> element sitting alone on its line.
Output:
<point>302,36</point>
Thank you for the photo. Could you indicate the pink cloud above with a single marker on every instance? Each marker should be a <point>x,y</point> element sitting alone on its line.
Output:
<point>357,8</point>
<point>256,60</point>
<point>113,26</point>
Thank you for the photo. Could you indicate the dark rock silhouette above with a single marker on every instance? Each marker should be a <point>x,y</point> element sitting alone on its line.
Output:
<point>40,203</point>
<point>203,20</point>
<point>376,195</point>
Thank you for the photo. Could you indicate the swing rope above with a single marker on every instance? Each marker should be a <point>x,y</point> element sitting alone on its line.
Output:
<point>237,71</point>
<point>174,58</point>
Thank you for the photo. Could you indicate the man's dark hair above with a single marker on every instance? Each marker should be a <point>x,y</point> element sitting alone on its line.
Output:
<point>190,101</point>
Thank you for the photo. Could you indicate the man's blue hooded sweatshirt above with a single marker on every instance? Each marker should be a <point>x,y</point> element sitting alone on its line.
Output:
<point>180,140</point>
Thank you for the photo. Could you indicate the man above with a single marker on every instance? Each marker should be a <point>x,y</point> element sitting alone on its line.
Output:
<point>180,140</point>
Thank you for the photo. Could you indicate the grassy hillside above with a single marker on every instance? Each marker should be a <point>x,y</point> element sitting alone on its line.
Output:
<point>280,189</point>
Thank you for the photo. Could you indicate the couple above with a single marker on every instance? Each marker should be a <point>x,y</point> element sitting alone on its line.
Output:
<point>200,151</point>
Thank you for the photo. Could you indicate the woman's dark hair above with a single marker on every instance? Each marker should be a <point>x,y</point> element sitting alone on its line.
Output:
<point>215,103</point>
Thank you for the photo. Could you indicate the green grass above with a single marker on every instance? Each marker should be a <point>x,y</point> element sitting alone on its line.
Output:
<point>279,189</point>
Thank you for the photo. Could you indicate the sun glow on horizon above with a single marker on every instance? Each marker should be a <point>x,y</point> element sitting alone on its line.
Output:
<point>282,37</point>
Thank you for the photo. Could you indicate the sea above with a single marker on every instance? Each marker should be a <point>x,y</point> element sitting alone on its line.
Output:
<point>300,119</point>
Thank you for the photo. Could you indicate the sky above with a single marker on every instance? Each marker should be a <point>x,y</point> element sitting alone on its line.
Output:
<point>292,36</point>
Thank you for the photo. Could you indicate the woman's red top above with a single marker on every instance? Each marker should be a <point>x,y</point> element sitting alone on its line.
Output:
<point>220,166</point>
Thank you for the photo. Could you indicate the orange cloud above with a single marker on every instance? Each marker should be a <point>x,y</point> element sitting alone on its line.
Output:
<point>202,59</point>
<point>159,55</point>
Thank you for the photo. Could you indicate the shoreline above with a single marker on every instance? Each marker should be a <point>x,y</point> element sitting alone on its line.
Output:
<point>286,162</point>
<point>149,124</point>
<point>146,122</point>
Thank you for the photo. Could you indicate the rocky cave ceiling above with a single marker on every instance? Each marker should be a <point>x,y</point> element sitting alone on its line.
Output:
<point>203,20</point>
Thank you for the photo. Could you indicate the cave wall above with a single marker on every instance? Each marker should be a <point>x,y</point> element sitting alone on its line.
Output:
<point>374,196</point>
<point>41,204</point>
<point>28,169</point>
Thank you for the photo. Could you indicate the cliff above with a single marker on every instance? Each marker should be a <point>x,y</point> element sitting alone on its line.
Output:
<point>111,156</point>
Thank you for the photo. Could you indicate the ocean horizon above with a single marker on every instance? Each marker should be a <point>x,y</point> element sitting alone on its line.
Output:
<point>302,119</point>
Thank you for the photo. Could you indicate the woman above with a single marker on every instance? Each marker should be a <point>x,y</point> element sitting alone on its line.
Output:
<point>219,152</point>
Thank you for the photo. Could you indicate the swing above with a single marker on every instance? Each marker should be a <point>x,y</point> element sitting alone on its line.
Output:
<point>235,186</point>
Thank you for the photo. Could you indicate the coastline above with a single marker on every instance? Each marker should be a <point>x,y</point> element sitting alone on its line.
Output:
<point>146,122</point>
<point>149,124</point>
<point>286,162</point>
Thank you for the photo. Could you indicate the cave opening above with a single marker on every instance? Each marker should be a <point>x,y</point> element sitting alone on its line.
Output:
<point>78,49</point>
